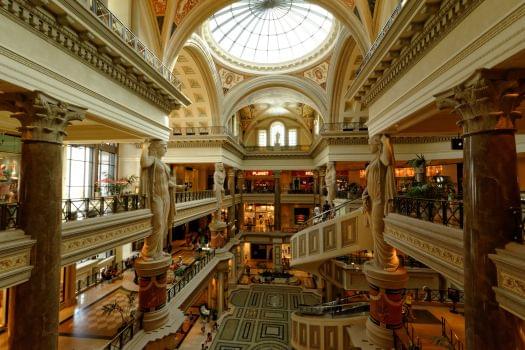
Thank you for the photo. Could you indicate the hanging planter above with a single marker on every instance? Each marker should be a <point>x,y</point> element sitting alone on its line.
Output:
<point>420,167</point>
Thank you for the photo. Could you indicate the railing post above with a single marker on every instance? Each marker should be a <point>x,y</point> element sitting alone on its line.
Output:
<point>68,209</point>
<point>444,211</point>
<point>3,218</point>
<point>101,210</point>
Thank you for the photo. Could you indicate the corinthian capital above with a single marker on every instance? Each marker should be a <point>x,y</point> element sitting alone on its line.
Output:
<point>42,117</point>
<point>487,100</point>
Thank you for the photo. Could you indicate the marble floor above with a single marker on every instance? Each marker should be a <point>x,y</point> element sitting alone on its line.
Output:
<point>260,318</point>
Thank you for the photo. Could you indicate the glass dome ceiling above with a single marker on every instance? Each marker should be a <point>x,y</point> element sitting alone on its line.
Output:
<point>270,32</point>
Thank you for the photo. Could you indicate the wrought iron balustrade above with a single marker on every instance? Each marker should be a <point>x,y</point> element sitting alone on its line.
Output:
<point>111,21</point>
<point>9,218</point>
<point>189,273</point>
<point>441,211</point>
<point>125,335</point>
<point>85,208</point>
<point>343,127</point>
<point>188,196</point>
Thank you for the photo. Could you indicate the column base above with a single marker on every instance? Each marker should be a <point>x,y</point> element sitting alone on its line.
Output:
<point>379,336</point>
<point>152,291</point>
<point>155,319</point>
<point>387,289</point>
<point>218,235</point>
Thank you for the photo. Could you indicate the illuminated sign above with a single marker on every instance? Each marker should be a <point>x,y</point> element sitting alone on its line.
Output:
<point>260,173</point>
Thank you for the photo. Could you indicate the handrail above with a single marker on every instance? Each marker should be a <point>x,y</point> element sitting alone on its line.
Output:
<point>443,211</point>
<point>189,273</point>
<point>451,336</point>
<point>85,208</point>
<point>125,335</point>
<point>188,196</point>
<point>111,21</point>
<point>326,215</point>
<point>380,37</point>
<point>343,127</point>
<point>331,305</point>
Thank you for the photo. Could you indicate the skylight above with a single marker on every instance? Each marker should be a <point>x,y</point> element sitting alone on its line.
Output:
<point>270,32</point>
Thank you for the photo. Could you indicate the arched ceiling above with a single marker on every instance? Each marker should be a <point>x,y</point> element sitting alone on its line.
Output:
<point>220,90</point>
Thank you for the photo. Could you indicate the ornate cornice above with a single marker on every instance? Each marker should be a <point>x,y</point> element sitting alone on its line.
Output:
<point>423,39</point>
<point>43,118</point>
<point>79,45</point>
<point>488,100</point>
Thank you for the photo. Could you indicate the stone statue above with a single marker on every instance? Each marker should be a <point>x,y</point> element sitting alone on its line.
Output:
<point>155,184</point>
<point>277,139</point>
<point>218,186</point>
<point>330,180</point>
<point>380,190</point>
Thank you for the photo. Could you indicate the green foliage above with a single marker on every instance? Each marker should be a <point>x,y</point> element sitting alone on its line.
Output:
<point>432,189</point>
<point>417,162</point>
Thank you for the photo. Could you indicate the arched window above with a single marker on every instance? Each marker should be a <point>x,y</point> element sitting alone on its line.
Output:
<point>277,134</point>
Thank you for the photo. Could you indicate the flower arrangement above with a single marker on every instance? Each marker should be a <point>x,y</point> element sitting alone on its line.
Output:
<point>116,186</point>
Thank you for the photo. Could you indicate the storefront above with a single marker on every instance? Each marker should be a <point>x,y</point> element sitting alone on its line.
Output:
<point>259,182</point>
<point>259,217</point>
<point>301,182</point>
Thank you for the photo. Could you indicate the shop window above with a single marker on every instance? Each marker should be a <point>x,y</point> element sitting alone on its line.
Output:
<point>79,172</point>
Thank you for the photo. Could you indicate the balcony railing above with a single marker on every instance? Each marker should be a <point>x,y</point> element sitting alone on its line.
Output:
<point>271,149</point>
<point>9,218</point>
<point>343,127</point>
<point>85,208</point>
<point>441,211</point>
<point>189,273</point>
<point>100,11</point>
<point>188,196</point>
<point>380,36</point>
<point>125,335</point>
<point>202,131</point>
<point>452,337</point>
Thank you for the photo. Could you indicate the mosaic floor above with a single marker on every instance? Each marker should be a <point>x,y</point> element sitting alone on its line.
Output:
<point>261,318</point>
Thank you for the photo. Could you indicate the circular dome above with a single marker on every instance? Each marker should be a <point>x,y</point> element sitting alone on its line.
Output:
<point>270,32</point>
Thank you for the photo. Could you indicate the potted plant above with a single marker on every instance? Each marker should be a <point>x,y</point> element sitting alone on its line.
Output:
<point>419,164</point>
<point>127,312</point>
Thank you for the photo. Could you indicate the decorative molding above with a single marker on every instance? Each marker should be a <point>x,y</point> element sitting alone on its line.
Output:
<point>84,238</point>
<point>437,246</point>
<point>15,258</point>
<point>510,291</point>
<point>78,45</point>
<point>423,39</point>
<point>227,60</point>
<point>43,118</point>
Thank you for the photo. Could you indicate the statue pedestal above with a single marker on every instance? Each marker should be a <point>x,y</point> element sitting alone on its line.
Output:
<point>218,234</point>
<point>152,291</point>
<point>386,303</point>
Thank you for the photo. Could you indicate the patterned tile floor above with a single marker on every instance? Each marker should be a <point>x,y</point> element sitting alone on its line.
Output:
<point>261,318</point>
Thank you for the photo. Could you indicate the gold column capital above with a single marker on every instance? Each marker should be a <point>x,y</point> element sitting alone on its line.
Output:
<point>487,100</point>
<point>43,118</point>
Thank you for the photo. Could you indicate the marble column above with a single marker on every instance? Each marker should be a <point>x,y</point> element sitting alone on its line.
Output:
<point>240,211</point>
<point>277,255</point>
<point>232,213</point>
<point>277,200</point>
<point>322,173</point>
<point>70,279</point>
<point>220,292</point>
<point>316,187</point>
<point>487,104</point>
<point>33,320</point>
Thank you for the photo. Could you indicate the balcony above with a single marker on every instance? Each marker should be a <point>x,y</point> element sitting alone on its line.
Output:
<point>100,11</point>
<point>340,233</point>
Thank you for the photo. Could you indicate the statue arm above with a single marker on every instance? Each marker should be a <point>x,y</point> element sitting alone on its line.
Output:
<point>146,160</point>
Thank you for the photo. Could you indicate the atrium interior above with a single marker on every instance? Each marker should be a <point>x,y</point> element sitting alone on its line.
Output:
<point>262,174</point>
